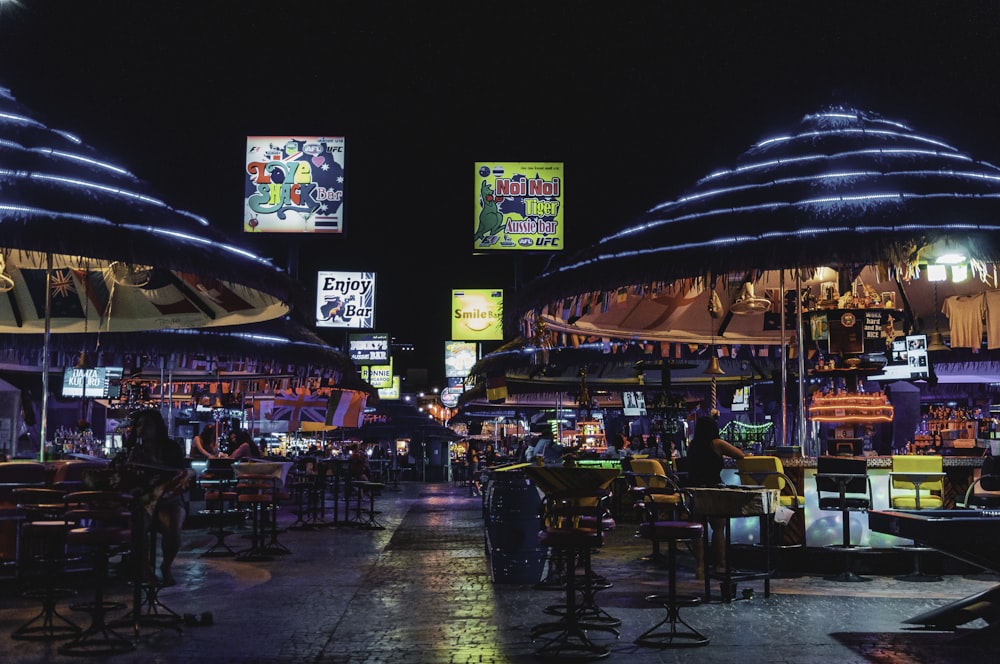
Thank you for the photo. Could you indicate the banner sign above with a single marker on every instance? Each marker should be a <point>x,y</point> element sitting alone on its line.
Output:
<point>294,184</point>
<point>477,315</point>
<point>459,358</point>
<point>368,348</point>
<point>345,299</point>
<point>519,207</point>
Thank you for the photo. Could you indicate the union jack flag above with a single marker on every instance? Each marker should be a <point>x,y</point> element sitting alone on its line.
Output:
<point>296,408</point>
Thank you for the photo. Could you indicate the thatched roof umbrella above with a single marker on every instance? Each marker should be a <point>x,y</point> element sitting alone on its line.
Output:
<point>86,246</point>
<point>844,189</point>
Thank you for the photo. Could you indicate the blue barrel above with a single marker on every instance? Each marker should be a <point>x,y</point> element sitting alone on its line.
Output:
<point>512,503</point>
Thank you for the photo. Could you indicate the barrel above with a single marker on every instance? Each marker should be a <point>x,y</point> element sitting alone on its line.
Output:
<point>512,525</point>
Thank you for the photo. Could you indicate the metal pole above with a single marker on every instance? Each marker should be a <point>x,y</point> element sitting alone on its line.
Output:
<point>44,427</point>
<point>802,364</point>
<point>784,366</point>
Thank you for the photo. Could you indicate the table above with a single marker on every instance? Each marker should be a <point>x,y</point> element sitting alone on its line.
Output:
<point>735,502</point>
<point>553,479</point>
<point>966,534</point>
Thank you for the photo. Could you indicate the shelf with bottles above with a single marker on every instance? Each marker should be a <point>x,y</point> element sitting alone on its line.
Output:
<point>590,436</point>
<point>953,426</point>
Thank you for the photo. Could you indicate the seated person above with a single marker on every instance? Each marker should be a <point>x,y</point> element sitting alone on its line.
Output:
<point>205,445</point>
<point>245,446</point>
<point>358,468</point>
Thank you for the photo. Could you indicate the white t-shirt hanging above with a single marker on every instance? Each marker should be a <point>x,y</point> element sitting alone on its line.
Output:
<point>992,319</point>
<point>965,317</point>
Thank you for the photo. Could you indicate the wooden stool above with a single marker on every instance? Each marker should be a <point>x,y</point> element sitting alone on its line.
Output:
<point>42,552</point>
<point>254,494</point>
<point>220,507</point>
<point>671,637</point>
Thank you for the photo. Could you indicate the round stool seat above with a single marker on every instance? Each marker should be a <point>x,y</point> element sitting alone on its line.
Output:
<point>670,530</point>
<point>569,537</point>
<point>99,536</point>
<point>665,600</point>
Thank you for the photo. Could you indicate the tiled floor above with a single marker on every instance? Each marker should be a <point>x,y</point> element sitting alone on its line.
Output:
<point>420,591</point>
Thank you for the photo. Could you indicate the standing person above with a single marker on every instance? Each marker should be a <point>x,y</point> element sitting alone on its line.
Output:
<point>148,443</point>
<point>472,460</point>
<point>490,456</point>
<point>704,467</point>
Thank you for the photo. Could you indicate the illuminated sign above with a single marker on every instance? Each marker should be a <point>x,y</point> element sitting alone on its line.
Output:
<point>390,392</point>
<point>377,376</point>
<point>368,348</point>
<point>345,299</point>
<point>519,206</point>
<point>450,395</point>
<point>477,315</point>
<point>98,382</point>
<point>294,184</point>
<point>459,357</point>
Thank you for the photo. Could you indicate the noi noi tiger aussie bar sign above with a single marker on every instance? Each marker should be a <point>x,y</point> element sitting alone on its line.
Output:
<point>477,314</point>
<point>519,206</point>
<point>294,184</point>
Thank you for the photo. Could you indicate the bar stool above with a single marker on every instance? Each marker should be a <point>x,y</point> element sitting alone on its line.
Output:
<point>366,518</point>
<point>670,636</point>
<point>254,493</point>
<point>100,521</point>
<point>221,510</point>
<point>573,529</point>
<point>42,552</point>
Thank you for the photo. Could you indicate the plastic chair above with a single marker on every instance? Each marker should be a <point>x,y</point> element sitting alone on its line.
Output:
<point>649,482</point>
<point>916,482</point>
<point>984,492</point>
<point>843,485</point>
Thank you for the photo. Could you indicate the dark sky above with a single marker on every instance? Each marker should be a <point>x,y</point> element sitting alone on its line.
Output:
<point>638,99</point>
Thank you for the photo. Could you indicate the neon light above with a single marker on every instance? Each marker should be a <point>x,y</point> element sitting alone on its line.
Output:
<point>866,132</point>
<point>93,185</point>
<point>818,202</point>
<point>85,160</point>
<point>853,153</point>
<point>21,118</point>
<point>149,229</point>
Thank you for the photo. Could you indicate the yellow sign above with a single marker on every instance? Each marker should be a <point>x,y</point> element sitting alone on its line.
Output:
<point>378,376</point>
<point>477,315</point>
<point>390,392</point>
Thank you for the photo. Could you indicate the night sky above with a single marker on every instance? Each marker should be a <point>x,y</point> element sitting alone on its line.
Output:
<point>639,100</point>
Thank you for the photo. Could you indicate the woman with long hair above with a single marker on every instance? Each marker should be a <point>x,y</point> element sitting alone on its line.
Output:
<point>704,467</point>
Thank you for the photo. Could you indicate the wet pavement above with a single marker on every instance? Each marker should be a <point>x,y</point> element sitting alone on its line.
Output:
<point>420,591</point>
